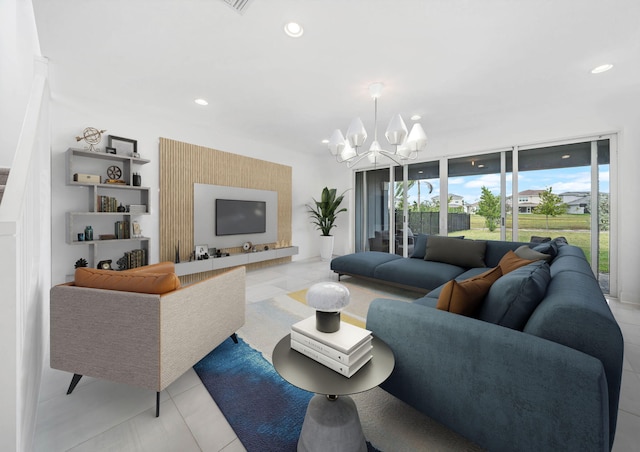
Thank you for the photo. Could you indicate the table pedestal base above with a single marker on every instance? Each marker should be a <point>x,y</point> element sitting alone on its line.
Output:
<point>331,424</point>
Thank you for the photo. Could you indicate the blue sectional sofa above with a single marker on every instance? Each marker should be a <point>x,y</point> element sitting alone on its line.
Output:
<point>536,368</point>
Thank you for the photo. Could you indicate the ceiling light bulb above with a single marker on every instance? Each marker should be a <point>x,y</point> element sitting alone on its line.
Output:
<point>416,118</point>
<point>375,89</point>
<point>201,102</point>
<point>293,29</point>
<point>601,69</point>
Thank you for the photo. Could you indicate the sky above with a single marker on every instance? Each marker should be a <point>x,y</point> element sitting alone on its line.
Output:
<point>561,180</point>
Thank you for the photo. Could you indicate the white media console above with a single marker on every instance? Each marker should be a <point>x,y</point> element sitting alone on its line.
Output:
<point>218,263</point>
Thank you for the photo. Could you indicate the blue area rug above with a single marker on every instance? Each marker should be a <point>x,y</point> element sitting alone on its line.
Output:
<point>265,411</point>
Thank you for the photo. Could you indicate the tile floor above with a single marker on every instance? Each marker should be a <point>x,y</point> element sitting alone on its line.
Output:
<point>105,416</point>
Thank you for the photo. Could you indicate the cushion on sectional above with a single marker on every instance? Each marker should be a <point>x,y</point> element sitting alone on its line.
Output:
<point>152,283</point>
<point>513,298</point>
<point>524,252</point>
<point>550,248</point>
<point>511,261</point>
<point>463,253</point>
<point>417,273</point>
<point>465,297</point>
<point>362,264</point>
<point>419,246</point>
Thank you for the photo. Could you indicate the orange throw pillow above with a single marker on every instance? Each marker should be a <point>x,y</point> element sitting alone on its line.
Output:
<point>152,283</point>
<point>511,261</point>
<point>465,297</point>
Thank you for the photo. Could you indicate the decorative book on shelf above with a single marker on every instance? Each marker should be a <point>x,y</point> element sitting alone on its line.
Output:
<point>344,351</point>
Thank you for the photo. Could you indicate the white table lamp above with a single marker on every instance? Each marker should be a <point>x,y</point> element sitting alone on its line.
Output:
<point>328,298</point>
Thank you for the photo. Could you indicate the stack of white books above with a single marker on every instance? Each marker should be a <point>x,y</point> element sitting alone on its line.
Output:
<point>344,351</point>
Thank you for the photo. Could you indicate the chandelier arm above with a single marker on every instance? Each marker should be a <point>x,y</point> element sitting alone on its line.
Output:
<point>412,155</point>
<point>390,156</point>
<point>361,154</point>
<point>337,156</point>
<point>352,162</point>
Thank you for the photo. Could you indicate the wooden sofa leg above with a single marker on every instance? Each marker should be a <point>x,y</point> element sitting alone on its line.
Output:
<point>157,404</point>
<point>234,337</point>
<point>74,382</point>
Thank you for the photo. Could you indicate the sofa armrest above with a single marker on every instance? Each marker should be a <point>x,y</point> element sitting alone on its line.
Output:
<point>197,318</point>
<point>106,334</point>
<point>504,389</point>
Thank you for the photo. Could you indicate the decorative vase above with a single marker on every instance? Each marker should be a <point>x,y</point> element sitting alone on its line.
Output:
<point>326,247</point>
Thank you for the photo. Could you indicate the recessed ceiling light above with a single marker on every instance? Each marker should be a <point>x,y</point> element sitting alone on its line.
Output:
<point>293,29</point>
<point>601,69</point>
<point>566,156</point>
<point>201,102</point>
<point>481,166</point>
<point>416,118</point>
<point>325,141</point>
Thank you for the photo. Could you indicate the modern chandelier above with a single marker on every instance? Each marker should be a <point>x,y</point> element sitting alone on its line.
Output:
<point>406,144</point>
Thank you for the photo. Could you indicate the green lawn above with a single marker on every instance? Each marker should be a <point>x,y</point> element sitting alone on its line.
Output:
<point>533,221</point>
<point>575,228</point>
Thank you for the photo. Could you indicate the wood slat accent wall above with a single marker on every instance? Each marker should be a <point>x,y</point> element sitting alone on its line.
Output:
<point>184,164</point>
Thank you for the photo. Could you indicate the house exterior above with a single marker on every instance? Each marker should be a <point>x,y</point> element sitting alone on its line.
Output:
<point>527,201</point>
<point>577,202</point>
<point>455,201</point>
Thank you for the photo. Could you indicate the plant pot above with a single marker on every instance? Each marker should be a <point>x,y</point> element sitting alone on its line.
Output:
<point>326,247</point>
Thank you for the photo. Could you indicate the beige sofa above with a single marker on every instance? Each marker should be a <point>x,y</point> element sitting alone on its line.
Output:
<point>146,340</point>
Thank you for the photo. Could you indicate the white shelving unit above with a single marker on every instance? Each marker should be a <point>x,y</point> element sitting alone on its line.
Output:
<point>87,162</point>
<point>188,268</point>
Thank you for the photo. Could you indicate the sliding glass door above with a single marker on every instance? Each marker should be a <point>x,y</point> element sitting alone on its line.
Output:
<point>372,220</point>
<point>477,195</point>
<point>422,212</point>
<point>563,191</point>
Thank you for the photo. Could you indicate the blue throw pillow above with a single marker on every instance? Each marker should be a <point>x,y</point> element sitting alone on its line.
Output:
<point>550,248</point>
<point>419,246</point>
<point>513,297</point>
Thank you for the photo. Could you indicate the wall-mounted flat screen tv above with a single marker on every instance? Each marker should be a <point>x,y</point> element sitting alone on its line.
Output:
<point>235,216</point>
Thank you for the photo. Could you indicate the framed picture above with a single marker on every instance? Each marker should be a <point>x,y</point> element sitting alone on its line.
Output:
<point>123,146</point>
<point>136,231</point>
<point>202,252</point>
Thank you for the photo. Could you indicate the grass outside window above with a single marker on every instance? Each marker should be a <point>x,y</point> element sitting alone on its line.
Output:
<point>575,228</point>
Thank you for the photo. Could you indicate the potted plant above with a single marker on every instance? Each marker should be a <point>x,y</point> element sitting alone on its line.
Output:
<point>324,215</point>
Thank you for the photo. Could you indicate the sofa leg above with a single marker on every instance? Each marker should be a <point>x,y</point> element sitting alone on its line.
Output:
<point>234,337</point>
<point>74,382</point>
<point>157,404</point>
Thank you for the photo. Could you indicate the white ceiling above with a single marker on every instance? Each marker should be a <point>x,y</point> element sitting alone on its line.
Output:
<point>447,60</point>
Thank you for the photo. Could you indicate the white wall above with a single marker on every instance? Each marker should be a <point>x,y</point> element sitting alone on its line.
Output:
<point>18,47</point>
<point>71,116</point>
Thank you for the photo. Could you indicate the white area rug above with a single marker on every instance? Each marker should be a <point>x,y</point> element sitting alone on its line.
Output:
<point>388,423</point>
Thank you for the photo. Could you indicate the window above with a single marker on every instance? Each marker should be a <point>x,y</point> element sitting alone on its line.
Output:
<point>511,194</point>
